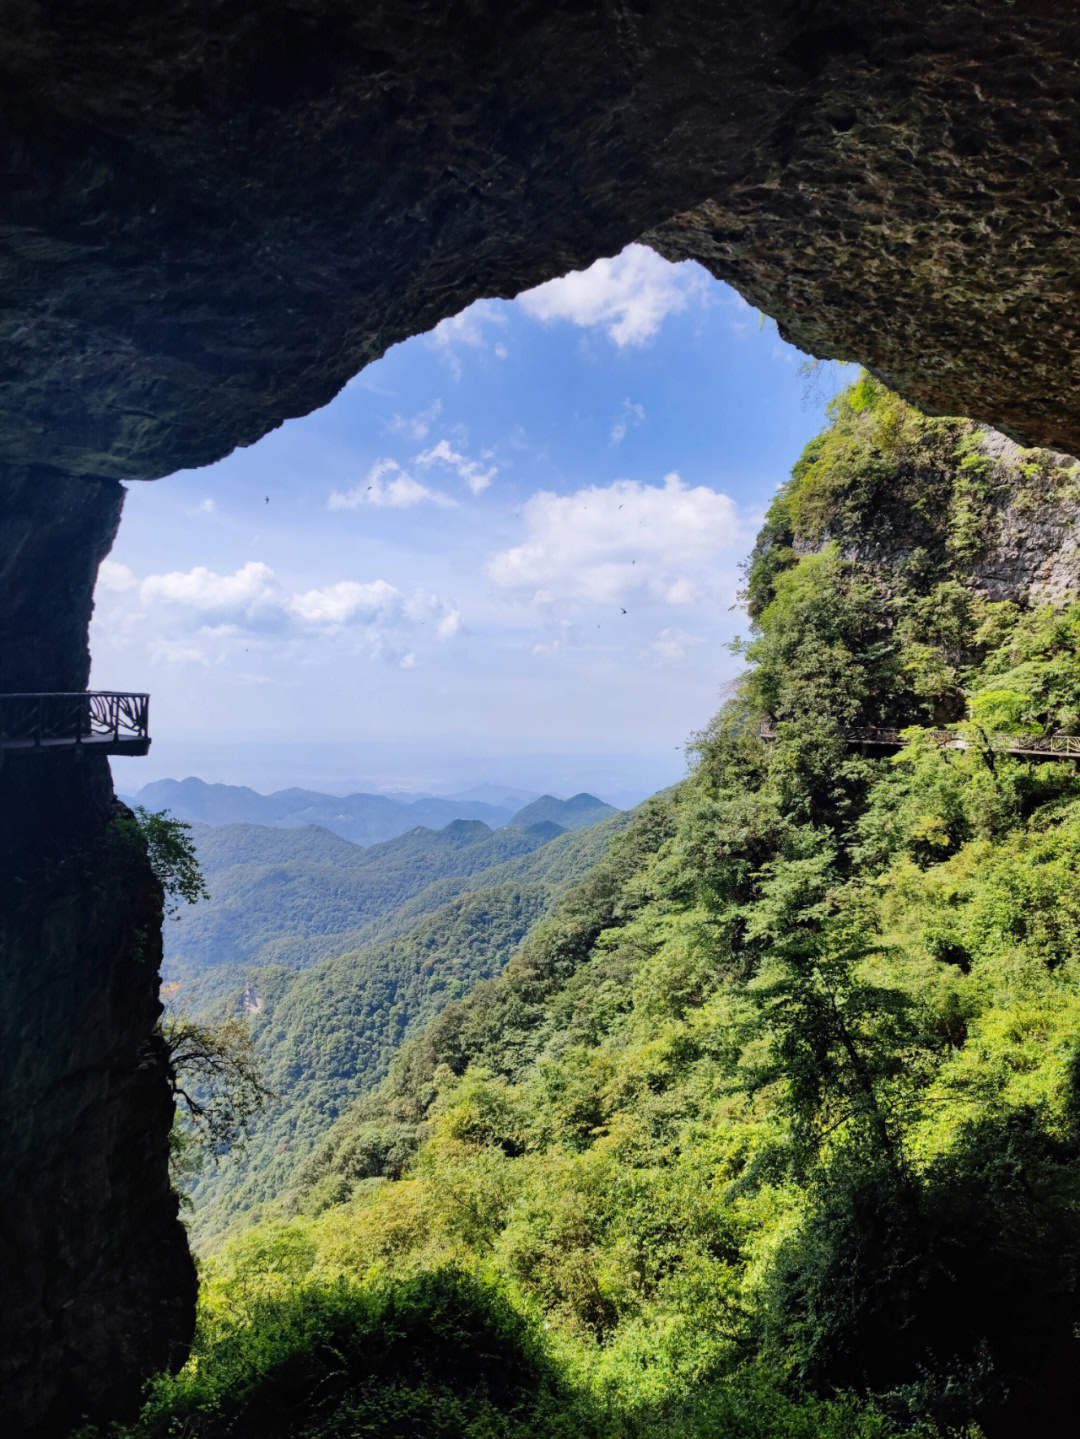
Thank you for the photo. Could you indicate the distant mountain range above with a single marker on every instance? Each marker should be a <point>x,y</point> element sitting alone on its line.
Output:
<point>365,818</point>
<point>577,813</point>
<point>289,895</point>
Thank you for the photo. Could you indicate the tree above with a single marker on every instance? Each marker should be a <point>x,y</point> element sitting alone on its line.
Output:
<point>167,845</point>
<point>214,1071</point>
<point>212,1065</point>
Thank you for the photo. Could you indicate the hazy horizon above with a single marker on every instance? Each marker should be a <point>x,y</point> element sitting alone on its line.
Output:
<point>338,770</point>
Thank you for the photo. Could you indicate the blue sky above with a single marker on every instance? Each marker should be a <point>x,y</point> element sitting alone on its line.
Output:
<point>507,551</point>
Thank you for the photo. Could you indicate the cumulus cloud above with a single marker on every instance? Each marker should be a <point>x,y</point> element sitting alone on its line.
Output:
<point>606,543</point>
<point>202,617</point>
<point>176,652</point>
<point>629,296</point>
<point>380,606</point>
<point>567,631</point>
<point>387,484</point>
<point>250,594</point>
<point>631,416</point>
<point>471,472</point>
<point>114,578</point>
<point>672,645</point>
<point>346,600</point>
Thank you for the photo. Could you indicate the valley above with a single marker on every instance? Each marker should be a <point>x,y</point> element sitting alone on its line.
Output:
<point>677,1117</point>
<point>336,954</point>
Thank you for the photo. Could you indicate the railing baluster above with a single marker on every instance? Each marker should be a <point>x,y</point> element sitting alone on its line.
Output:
<point>114,723</point>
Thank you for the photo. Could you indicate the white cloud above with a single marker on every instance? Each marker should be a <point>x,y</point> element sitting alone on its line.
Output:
<point>630,295</point>
<point>115,578</point>
<point>673,644</point>
<point>200,613</point>
<point>176,652</point>
<point>416,427</point>
<point>206,507</point>
<point>471,472</point>
<point>449,625</point>
<point>467,329</point>
<point>631,416</point>
<point>251,594</point>
<point>387,485</point>
<point>347,600</point>
<point>606,544</point>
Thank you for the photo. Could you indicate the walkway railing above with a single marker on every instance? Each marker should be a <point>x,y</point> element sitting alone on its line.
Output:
<point>1052,746</point>
<point>108,722</point>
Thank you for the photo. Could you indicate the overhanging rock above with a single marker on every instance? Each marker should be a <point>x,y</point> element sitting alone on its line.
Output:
<point>214,215</point>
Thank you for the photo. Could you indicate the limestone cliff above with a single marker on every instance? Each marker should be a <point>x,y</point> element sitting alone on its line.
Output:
<point>98,1285</point>
<point>964,502</point>
<point>213,216</point>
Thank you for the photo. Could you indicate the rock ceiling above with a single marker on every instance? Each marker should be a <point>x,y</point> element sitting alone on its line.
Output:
<point>213,214</point>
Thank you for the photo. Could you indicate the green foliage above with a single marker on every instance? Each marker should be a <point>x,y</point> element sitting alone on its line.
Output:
<point>326,1031</point>
<point>213,1070</point>
<point>439,1355</point>
<point>771,1125</point>
<point>295,896</point>
<point>171,853</point>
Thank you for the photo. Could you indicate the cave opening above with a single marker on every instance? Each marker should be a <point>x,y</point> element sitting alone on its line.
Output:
<point>211,222</point>
<point>508,551</point>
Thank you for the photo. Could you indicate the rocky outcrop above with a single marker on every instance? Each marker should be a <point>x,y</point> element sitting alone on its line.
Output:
<point>969,504</point>
<point>98,1285</point>
<point>54,532</point>
<point>1030,523</point>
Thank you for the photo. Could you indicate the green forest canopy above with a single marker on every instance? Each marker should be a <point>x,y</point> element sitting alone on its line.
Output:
<point>773,1126</point>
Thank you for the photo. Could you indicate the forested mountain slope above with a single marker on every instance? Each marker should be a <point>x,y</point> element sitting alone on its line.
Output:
<point>578,812</point>
<point>326,1032</point>
<point>773,1127</point>
<point>291,896</point>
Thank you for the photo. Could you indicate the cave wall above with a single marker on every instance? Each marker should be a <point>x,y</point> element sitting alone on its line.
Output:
<point>98,1284</point>
<point>99,1287</point>
<point>212,215</point>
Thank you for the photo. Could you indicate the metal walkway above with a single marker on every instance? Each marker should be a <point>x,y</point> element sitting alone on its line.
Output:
<point>98,720</point>
<point>1054,746</point>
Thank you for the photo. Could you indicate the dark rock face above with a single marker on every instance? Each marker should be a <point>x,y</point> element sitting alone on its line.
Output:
<point>54,532</point>
<point>99,1287</point>
<point>98,1284</point>
<point>1009,529</point>
<point>212,215</point>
